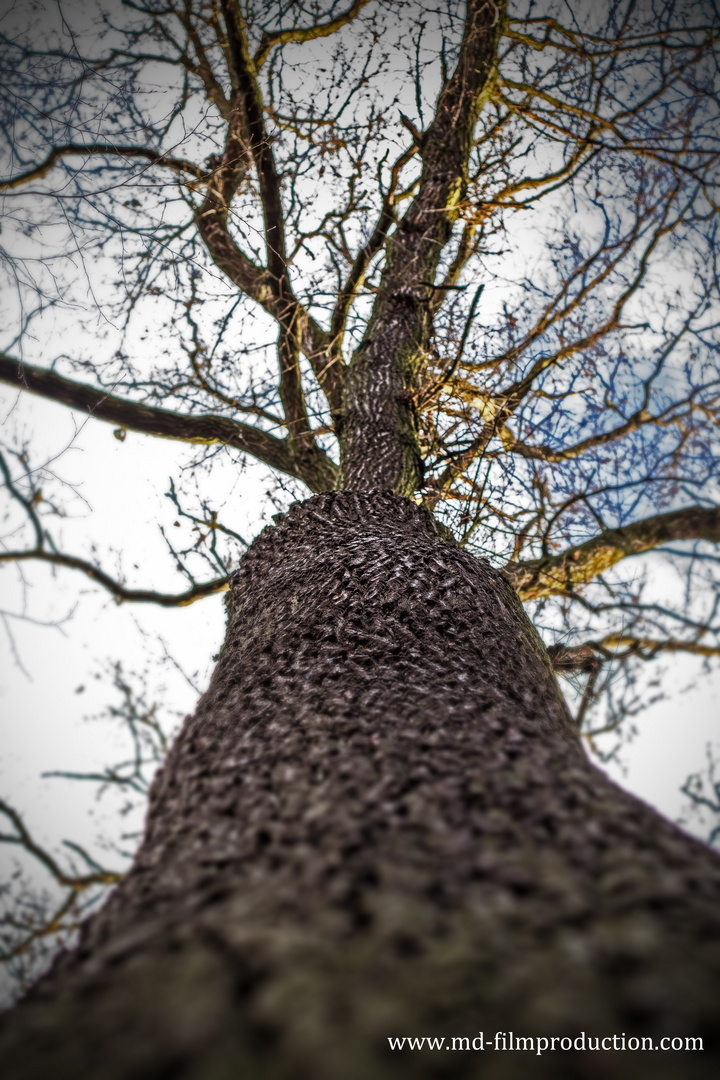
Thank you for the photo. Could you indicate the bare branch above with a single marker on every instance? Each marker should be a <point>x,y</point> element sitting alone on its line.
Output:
<point>367,253</point>
<point>314,468</point>
<point>116,588</point>
<point>75,882</point>
<point>247,142</point>
<point>567,659</point>
<point>177,165</point>
<point>309,33</point>
<point>565,572</point>
<point>286,307</point>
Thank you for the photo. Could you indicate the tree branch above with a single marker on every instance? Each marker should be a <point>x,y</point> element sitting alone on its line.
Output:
<point>315,469</point>
<point>466,248</point>
<point>255,281</point>
<point>119,591</point>
<point>568,659</point>
<point>310,33</point>
<point>368,252</point>
<point>259,143</point>
<point>202,68</point>
<point>248,142</point>
<point>178,165</point>
<point>577,565</point>
<point>640,418</point>
<point>288,312</point>
<point>500,407</point>
<point>76,882</point>
<point>445,152</point>
<point>29,921</point>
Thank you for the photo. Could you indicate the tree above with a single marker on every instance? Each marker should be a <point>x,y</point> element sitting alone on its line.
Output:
<point>380,820</point>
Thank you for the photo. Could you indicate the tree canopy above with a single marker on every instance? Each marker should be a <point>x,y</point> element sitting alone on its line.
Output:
<point>461,252</point>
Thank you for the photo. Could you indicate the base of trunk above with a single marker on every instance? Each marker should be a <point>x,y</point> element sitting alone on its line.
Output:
<point>380,823</point>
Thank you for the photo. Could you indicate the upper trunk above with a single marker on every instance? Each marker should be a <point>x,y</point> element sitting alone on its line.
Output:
<point>378,425</point>
<point>380,822</point>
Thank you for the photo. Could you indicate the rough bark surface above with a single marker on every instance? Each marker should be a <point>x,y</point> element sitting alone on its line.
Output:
<point>378,424</point>
<point>380,822</point>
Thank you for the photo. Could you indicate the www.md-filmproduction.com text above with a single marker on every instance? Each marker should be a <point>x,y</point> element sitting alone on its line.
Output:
<point>538,1044</point>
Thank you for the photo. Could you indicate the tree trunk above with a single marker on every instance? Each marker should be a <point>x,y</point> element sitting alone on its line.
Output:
<point>380,822</point>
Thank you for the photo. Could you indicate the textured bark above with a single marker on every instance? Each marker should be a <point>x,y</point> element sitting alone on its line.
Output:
<point>379,822</point>
<point>378,424</point>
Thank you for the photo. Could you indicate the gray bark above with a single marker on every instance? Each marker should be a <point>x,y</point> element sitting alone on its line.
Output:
<point>380,822</point>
